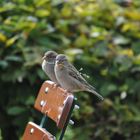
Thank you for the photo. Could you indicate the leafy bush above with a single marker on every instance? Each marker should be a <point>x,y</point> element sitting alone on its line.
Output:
<point>101,36</point>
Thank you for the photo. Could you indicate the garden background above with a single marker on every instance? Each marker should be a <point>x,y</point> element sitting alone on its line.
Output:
<point>100,36</point>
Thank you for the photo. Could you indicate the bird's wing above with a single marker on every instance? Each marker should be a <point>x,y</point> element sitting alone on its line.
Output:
<point>75,74</point>
<point>72,71</point>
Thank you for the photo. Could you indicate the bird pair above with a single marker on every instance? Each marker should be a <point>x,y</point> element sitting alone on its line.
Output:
<point>60,71</point>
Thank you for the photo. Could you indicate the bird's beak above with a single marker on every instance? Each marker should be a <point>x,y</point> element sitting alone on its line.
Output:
<point>43,57</point>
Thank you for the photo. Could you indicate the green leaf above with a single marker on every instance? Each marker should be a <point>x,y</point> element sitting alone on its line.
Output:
<point>121,40</point>
<point>101,49</point>
<point>3,64</point>
<point>15,110</point>
<point>30,100</point>
<point>13,58</point>
<point>108,88</point>
<point>123,62</point>
<point>0,135</point>
<point>136,47</point>
<point>11,41</point>
<point>81,41</point>
<point>42,13</point>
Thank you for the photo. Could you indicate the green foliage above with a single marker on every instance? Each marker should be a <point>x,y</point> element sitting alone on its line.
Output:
<point>101,36</point>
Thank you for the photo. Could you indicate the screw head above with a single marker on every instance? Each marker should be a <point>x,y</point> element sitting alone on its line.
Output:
<point>46,90</point>
<point>32,131</point>
<point>71,122</point>
<point>76,107</point>
<point>42,103</point>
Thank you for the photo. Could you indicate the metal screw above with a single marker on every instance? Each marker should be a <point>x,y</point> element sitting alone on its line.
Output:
<point>32,131</point>
<point>46,90</point>
<point>42,103</point>
<point>71,122</point>
<point>76,107</point>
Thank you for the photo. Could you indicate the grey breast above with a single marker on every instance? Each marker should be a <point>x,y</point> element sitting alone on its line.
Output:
<point>65,80</point>
<point>49,70</point>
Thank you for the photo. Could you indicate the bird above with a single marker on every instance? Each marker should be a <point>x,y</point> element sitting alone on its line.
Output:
<point>48,65</point>
<point>70,78</point>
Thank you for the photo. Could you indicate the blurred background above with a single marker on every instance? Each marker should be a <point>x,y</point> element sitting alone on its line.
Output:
<point>100,36</point>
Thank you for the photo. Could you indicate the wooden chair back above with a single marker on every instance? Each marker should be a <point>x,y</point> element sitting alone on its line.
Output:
<point>54,102</point>
<point>35,132</point>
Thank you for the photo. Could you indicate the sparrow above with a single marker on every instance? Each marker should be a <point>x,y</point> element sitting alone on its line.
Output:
<point>48,65</point>
<point>70,78</point>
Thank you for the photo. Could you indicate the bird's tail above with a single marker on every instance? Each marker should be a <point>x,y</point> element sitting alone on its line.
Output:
<point>92,90</point>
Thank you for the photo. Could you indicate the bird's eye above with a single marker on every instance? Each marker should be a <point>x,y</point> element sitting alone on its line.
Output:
<point>52,56</point>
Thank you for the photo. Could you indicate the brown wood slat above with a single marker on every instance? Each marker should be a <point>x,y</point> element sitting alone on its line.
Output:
<point>34,132</point>
<point>56,103</point>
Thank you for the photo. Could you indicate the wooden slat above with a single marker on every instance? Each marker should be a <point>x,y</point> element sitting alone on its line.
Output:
<point>56,103</point>
<point>34,132</point>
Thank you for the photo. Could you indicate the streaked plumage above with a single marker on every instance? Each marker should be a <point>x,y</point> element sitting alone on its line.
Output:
<point>70,78</point>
